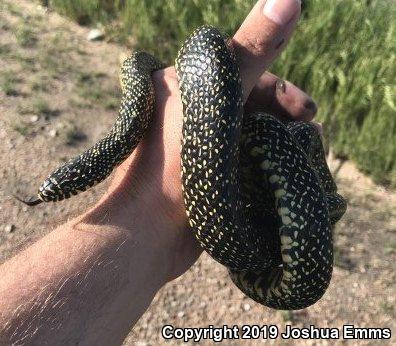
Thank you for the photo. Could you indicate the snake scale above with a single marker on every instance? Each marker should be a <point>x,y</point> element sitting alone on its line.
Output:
<point>258,193</point>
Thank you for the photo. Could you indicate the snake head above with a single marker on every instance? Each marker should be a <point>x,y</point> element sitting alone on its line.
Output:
<point>48,191</point>
<point>51,191</point>
<point>65,181</point>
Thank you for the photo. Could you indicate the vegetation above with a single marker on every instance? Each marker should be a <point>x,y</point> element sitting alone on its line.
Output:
<point>343,54</point>
<point>85,11</point>
<point>25,36</point>
<point>69,133</point>
<point>90,89</point>
<point>23,130</point>
<point>8,82</point>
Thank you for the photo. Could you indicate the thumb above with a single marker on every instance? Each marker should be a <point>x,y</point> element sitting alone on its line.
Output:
<point>262,37</point>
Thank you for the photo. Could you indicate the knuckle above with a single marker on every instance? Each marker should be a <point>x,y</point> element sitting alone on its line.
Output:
<point>257,46</point>
<point>263,43</point>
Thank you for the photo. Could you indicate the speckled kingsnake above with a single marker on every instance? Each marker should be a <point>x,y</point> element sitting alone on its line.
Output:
<point>258,193</point>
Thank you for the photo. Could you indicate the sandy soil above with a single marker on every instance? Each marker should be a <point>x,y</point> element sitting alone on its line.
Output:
<point>51,109</point>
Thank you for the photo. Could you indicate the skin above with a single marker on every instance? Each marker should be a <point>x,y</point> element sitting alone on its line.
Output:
<point>90,280</point>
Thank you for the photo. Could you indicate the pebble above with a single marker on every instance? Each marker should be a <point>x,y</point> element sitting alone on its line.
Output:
<point>141,343</point>
<point>95,35</point>
<point>34,118</point>
<point>9,228</point>
<point>52,133</point>
<point>180,314</point>
<point>246,306</point>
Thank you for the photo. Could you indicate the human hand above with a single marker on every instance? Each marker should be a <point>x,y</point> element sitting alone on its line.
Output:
<point>146,189</point>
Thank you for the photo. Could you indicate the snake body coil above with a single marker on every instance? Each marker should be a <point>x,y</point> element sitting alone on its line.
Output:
<point>258,193</point>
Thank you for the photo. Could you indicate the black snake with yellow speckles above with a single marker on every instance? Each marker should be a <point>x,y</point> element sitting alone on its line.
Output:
<point>258,193</point>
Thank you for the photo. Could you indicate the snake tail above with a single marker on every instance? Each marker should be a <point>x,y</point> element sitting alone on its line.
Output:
<point>134,117</point>
<point>30,201</point>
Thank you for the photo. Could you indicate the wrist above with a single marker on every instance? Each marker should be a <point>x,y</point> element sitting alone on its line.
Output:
<point>88,271</point>
<point>141,224</point>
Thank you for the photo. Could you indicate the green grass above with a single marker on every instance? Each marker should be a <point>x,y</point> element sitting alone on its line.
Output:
<point>8,83</point>
<point>84,11</point>
<point>286,315</point>
<point>41,107</point>
<point>69,133</point>
<point>341,259</point>
<point>5,49</point>
<point>390,248</point>
<point>343,54</point>
<point>25,37</point>
<point>91,91</point>
<point>387,307</point>
<point>22,129</point>
<point>40,83</point>
<point>38,106</point>
<point>11,8</point>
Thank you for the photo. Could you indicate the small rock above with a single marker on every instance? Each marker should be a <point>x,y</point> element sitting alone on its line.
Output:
<point>246,306</point>
<point>95,35</point>
<point>9,228</point>
<point>34,118</point>
<point>61,125</point>
<point>141,343</point>
<point>52,133</point>
<point>180,314</point>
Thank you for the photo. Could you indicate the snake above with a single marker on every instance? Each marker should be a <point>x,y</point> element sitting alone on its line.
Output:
<point>258,193</point>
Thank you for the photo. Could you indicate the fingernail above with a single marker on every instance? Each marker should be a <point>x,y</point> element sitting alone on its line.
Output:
<point>281,11</point>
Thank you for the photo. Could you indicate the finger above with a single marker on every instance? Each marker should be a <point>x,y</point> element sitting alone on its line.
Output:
<point>282,98</point>
<point>262,36</point>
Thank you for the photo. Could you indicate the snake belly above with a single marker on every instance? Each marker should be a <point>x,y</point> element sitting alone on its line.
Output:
<point>258,193</point>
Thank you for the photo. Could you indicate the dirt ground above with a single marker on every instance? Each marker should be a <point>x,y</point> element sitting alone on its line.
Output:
<point>59,93</point>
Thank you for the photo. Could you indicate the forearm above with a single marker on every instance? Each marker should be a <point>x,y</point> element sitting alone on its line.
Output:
<point>86,282</point>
